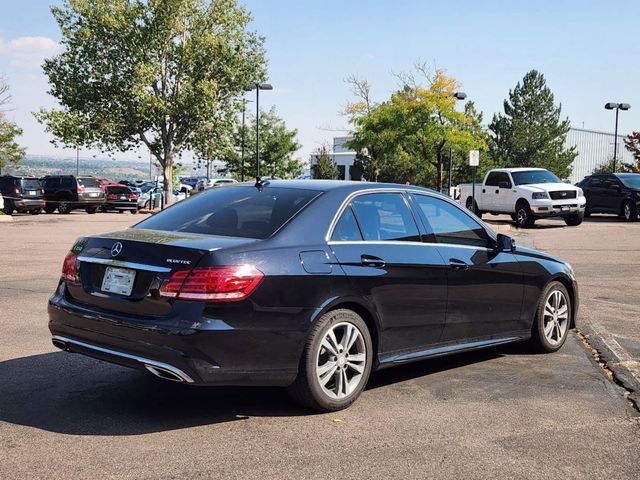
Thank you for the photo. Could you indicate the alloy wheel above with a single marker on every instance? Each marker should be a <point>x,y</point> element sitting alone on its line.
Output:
<point>556,317</point>
<point>627,211</point>
<point>522,216</point>
<point>341,360</point>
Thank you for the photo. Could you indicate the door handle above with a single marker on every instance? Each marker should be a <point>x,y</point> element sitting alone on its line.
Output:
<point>498,191</point>
<point>458,264</point>
<point>483,190</point>
<point>371,261</point>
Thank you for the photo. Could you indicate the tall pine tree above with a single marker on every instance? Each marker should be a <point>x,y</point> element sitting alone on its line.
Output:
<point>530,133</point>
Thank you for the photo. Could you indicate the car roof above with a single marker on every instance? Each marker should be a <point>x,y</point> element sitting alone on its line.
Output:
<point>330,185</point>
<point>519,169</point>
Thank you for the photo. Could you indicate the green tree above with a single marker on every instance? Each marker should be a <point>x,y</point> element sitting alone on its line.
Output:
<point>632,142</point>
<point>10,151</point>
<point>408,137</point>
<point>277,146</point>
<point>530,132</point>
<point>325,167</point>
<point>166,73</point>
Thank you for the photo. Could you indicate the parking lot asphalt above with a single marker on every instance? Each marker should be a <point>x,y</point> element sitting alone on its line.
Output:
<point>605,254</point>
<point>499,413</point>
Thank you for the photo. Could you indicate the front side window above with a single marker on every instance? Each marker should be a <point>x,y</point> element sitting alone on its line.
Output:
<point>492,179</point>
<point>385,216</point>
<point>449,224</point>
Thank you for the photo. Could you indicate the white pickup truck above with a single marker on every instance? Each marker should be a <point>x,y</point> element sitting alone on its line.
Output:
<point>526,194</point>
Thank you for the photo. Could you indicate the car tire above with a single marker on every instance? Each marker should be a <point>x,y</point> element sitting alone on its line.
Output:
<point>37,211</point>
<point>325,363</point>
<point>550,329</point>
<point>134,211</point>
<point>587,213</point>
<point>8,209</point>
<point>574,220</point>
<point>49,209</point>
<point>91,211</point>
<point>629,211</point>
<point>524,217</point>
<point>64,208</point>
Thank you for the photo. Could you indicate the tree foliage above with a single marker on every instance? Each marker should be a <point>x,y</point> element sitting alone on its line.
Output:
<point>10,152</point>
<point>408,137</point>
<point>324,167</point>
<point>530,132</point>
<point>163,73</point>
<point>632,142</point>
<point>277,146</point>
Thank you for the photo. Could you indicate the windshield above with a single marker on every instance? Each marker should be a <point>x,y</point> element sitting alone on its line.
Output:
<point>528,177</point>
<point>233,212</point>
<point>631,180</point>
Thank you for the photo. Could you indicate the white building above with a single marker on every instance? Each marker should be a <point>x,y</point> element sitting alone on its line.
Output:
<point>594,149</point>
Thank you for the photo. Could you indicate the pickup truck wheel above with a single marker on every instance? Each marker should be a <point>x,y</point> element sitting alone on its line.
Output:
<point>475,210</point>
<point>629,211</point>
<point>524,217</point>
<point>574,220</point>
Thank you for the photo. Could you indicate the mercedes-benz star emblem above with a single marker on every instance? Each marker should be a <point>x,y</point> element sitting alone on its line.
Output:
<point>116,249</point>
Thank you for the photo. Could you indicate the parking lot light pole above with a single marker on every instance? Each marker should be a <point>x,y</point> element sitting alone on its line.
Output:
<point>457,96</point>
<point>617,107</point>
<point>258,87</point>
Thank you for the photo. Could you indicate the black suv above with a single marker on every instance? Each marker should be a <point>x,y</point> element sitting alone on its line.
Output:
<point>617,193</point>
<point>66,193</point>
<point>21,194</point>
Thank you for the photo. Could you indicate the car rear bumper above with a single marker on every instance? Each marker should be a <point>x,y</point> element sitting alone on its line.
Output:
<point>205,351</point>
<point>121,205</point>
<point>24,204</point>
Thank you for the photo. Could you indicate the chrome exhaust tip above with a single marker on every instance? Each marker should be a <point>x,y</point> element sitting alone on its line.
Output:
<point>165,373</point>
<point>59,344</point>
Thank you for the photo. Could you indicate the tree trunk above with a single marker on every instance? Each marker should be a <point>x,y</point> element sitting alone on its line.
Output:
<point>168,179</point>
<point>439,164</point>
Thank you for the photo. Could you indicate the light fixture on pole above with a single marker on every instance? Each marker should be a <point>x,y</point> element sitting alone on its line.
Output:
<point>258,87</point>
<point>617,107</point>
<point>457,96</point>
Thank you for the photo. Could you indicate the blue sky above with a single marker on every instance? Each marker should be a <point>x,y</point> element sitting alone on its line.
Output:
<point>588,51</point>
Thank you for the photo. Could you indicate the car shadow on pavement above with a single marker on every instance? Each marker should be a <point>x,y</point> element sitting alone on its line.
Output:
<point>77,395</point>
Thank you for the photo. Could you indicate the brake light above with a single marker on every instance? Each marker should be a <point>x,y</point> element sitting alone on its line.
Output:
<point>70,268</point>
<point>18,191</point>
<point>80,189</point>
<point>213,284</point>
<point>133,197</point>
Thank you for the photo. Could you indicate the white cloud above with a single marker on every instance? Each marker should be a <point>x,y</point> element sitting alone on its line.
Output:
<point>28,51</point>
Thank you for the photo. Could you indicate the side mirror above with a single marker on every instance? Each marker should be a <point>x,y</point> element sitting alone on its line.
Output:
<point>504,185</point>
<point>505,243</point>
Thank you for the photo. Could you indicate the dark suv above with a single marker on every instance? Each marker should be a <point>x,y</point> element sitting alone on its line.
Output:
<point>616,193</point>
<point>66,193</point>
<point>21,194</point>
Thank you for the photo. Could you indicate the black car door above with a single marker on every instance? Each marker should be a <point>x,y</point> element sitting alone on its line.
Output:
<point>613,194</point>
<point>485,286</point>
<point>377,243</point>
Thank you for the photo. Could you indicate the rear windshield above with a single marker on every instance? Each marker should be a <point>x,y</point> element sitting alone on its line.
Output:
<point>233,212</point>
<point>30,184</point>
<point>114,189</point>
<point>88,182</point>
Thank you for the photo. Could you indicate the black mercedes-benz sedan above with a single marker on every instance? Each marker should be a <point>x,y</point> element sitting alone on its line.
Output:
<point>308,285</point>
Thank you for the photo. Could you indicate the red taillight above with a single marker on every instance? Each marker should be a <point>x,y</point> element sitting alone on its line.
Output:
<point>80,189</point>
<point>214,284</point>
<point>112,196</point>
<point>70,268</point>
<point>133,197</point>
<point>18,191</point>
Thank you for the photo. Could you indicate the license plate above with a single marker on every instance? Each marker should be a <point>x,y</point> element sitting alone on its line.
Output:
<point>565,209</point>
<point>93,194</point>
<point>123,197</point>
<point>118,280</point>
<point>32,193</point>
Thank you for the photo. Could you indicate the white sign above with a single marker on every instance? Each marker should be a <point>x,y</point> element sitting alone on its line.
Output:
<point>474,158</point>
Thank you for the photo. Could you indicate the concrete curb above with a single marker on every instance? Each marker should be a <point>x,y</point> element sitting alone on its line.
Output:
<point>6,218</point>
<point>625,369</point>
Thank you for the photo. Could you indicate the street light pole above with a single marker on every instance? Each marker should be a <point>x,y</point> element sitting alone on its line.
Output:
<point>258,87</point>
<point>77,161</point>
<point>457,96</point>
<point>617,107</point>
<point>244,107</point>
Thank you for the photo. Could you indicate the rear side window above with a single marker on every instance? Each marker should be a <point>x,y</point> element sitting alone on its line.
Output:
<point>233,212</point>
<point>449,224</point>
<point>67,182</point>
<point>347,228</point>
<point>88,182</point>
<point>385,216</point>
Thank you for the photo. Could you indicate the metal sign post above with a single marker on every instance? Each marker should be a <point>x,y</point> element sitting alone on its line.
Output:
<point>474,161</point>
